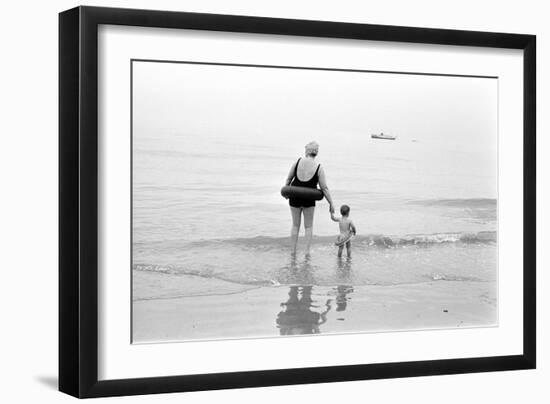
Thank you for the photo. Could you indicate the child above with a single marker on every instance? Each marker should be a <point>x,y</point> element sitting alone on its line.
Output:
<point>347,230</point>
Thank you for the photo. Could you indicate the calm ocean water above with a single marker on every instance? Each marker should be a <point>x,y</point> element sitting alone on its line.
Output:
<point>209,205</point>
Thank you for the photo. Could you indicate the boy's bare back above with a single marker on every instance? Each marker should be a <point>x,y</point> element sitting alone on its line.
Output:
<point>344,223</point>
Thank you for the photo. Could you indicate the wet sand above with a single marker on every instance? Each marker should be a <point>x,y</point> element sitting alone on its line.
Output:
<point>193,308</point>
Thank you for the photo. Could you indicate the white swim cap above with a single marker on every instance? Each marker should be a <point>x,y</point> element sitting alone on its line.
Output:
<point>312,148</point>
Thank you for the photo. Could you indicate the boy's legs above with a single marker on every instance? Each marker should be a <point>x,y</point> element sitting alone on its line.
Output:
<point>340,249</point>
<point>348,248</point>
<point>296,220</point>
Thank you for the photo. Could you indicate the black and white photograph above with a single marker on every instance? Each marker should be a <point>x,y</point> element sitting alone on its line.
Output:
<point>273,201</point>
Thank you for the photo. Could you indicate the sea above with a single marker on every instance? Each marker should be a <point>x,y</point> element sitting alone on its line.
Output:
<point>208,204</point>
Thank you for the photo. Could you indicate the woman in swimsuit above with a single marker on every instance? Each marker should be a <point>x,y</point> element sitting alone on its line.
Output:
<point>306,173</point>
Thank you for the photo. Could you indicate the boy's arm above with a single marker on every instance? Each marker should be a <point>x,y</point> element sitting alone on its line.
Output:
<point>334,218</point>
<point>352,227</point>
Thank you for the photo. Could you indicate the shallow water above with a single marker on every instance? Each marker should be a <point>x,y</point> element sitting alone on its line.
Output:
<point>232,191</point>
<point>201,213</point>
<point>375,261</point>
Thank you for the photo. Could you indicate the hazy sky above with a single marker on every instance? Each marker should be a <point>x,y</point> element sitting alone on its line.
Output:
<point>250,101</point>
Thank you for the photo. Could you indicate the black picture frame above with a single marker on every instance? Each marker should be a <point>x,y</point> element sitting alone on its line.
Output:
<point>78,201</point>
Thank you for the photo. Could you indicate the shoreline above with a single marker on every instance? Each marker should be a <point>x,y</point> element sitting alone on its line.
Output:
<point>198,308</point>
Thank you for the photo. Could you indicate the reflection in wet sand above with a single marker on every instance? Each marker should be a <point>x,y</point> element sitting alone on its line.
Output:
<point>298,316</point>
<point>302,314</point>
<point>342,298</point>
<point>344,270</point>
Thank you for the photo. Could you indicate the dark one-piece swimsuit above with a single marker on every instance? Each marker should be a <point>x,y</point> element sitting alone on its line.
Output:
<point>311,183</point>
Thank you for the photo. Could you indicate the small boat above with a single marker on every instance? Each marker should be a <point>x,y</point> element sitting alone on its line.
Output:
<point>383,136</point>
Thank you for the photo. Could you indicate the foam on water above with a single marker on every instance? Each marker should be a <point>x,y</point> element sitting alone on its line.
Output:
<point>376,260</point>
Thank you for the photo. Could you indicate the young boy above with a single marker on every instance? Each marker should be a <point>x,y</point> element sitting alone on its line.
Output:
<point>347,230</point>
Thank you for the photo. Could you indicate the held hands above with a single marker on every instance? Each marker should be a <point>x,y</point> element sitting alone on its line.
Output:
<point>331,209</point>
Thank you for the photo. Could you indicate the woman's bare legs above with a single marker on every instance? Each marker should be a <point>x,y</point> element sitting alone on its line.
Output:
<point>308,224</point>
<point>296,220</point>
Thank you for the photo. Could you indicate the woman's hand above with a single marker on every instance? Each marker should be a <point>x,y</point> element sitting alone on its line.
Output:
<point>331,208</point>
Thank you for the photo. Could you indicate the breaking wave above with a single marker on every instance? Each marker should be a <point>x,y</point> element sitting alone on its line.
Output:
<point>371,240</point>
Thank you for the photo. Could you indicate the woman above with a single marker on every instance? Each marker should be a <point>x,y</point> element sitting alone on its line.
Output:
<point>306,173</point>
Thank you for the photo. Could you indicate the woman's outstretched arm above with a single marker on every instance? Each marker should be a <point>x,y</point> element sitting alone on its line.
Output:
<point>324,188</point>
